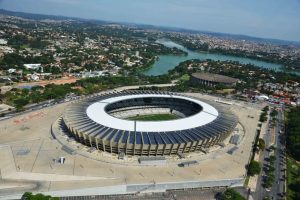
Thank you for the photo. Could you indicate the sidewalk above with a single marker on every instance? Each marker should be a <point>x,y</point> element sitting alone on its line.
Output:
<point>253,179</point>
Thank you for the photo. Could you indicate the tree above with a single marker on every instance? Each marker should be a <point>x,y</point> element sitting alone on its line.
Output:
<point>272,158</point>
<point>274,113</point>
<point>263,117</point>
<point>231,194</point>
<point>39,196</point>
<point>261,144</point>
<point>272,148</point>
<point>20,102</point>
<point>295,187</point>
<point>293,132</point>
<point>266,198</point>
<point>254,168</point>
<point>266,109</point>
<point>269,180</point>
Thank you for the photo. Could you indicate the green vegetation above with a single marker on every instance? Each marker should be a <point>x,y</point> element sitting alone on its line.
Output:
<point>254,168</point>
<point>227,68</point>
<point>231,194</point>
<point>261,144</point>
<point>293,132</point>
<point>154,117</point>
<point>22,97</point>
<point>269,170</point>
<point>265,109</point>
<point>272,158</point>
<point>16,60</point>
<point>293,179</point>
<point>258,55</point>
<point>274,113</point>
<point>273,148</point>
<point>266,198</point>
<point>247,179</point>
<point>263,116</point>
<point>293,149</point>
<point>185,77</point>
<point>270,177</point>
<point>39,196</point>
<point>22,41</point>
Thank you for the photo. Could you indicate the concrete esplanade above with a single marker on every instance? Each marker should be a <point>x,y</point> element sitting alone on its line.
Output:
<point>102,122</point>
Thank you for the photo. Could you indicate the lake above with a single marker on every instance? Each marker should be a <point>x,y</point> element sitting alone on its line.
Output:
<point>167,62</point>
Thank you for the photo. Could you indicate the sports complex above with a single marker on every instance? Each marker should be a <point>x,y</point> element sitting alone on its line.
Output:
<point>128,141</point>
<point>148,123</point>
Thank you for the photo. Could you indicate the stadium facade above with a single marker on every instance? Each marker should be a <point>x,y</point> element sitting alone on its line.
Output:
<point>103,122</point>
<point>212,80</point>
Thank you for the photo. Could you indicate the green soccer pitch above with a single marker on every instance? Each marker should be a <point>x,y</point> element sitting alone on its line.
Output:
<point>154,117</point>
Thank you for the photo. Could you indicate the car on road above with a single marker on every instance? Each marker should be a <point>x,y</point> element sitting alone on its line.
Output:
<point>280,194</point>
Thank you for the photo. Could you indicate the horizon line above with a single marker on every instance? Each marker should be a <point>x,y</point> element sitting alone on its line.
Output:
<point>271,40</point>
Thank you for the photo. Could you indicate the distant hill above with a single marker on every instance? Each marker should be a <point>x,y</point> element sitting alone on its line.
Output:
<point>146,26</point>
<point>44,17</point>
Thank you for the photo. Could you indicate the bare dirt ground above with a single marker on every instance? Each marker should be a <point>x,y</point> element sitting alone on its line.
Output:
<point>46,82</point>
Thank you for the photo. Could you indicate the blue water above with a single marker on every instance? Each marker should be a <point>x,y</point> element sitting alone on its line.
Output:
<point>168,62</point>
<point>26,86</point>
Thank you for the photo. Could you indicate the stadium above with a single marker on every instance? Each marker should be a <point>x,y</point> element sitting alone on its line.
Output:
<point>148,123</point>
<point>212,80</point>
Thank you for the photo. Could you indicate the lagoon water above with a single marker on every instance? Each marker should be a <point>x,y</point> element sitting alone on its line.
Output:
<point>167,62</point>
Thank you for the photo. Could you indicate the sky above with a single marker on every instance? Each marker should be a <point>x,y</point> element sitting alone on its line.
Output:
<point>278,19</point>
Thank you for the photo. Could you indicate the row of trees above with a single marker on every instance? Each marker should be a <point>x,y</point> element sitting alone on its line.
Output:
<point>270,169</point>
<point>264,115</point>
<point>39,196</point>
<point>229,194</point>
<point>254,167</point>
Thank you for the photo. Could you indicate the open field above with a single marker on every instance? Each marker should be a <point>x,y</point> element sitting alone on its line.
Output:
<point>154,117</point>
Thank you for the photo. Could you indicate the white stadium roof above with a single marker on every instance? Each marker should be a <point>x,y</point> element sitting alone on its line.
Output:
<point>97,113</point>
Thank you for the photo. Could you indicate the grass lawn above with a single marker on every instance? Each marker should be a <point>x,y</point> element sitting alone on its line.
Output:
<point>293,174</point>
<point>246,181</point>
<point>154,117</point>
<point>24,46</point>
<point>185,77</point>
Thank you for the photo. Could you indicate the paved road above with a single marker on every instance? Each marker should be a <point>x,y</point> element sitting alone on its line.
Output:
<point>261,192</point>
<point>277,190</point>
<point>280,165</point>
